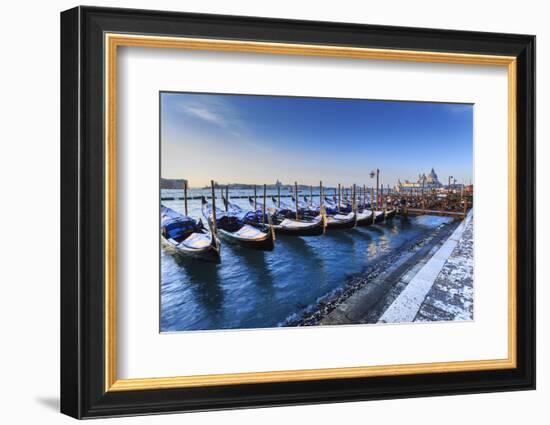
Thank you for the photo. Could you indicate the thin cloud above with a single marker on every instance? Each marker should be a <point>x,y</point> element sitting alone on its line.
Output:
<point>213,111</point>
<point>225,116</point>
<point>204,114</point>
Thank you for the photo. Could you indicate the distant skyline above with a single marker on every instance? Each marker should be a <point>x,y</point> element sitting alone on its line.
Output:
<point>259,139</point>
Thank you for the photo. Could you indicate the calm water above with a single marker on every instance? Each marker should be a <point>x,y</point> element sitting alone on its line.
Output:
<point>252,289</point>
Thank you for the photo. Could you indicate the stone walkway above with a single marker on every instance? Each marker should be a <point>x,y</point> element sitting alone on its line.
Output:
<point>443,287</point>
<point>452,294</point>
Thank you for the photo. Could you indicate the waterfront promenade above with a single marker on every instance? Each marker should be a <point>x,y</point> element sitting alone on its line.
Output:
<point>443,288</point>
<point>431,282</point>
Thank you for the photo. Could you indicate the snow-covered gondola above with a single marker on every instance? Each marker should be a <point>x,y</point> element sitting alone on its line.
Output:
<point>234,228</point>
<point>342,221</point>
<point>364,217</point>
<point>378,216</point>
<point>343,218</point>
<point>284,221</point>
<point>186,237</point>
<point>390,213</point>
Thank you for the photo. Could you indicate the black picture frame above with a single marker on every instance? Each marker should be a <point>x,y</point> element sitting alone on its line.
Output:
<point>82,219</point>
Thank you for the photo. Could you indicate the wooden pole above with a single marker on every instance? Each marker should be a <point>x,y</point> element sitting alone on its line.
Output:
<point>214,230</point>
<point>372,202</point>
<point>383,200</point>
<point>339,196</point>
<point>255,207</point>
<point>279,196</point>
<point>296,197</point>
<point>310,195</point>
<point>321,199</point>
<point>377,188</point>
<point>185,195</point>
<point>226,195</point>
<point>263,206</point>
<point>354,205</point>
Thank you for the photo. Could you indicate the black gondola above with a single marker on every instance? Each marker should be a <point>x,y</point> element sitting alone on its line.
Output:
<point>365,218</point>
<point>283,222</point>
<point>344,218</point>
<point>390,213</point>
<point>187,238</point>
<point>235,229</point>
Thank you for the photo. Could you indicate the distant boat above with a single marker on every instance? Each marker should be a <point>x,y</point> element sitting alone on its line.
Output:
<point>186,237</point>
<point>233,227</point>
<point>284,223</point>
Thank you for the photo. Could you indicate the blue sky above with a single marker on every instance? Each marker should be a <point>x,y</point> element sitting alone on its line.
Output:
<point>258,139</point>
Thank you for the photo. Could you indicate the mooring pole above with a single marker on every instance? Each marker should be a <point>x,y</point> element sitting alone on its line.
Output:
<point>214,230</point>
<point>185,195</point>
<point>339,196</point>
<point>377,188</point>
<point>263,206</point>
<point>255,207</point>
<point>296,197</point>
<point>372,203</point>
<point>226,195</point>
<point>354,204</point>
<point>383,200</point>
<point>310,195</point>
<point>279,196</point>
<point>321,200</point>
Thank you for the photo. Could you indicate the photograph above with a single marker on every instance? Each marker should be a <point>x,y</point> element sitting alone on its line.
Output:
<point>288,211</point>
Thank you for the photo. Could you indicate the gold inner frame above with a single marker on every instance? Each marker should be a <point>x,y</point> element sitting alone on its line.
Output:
<point>113,41</point>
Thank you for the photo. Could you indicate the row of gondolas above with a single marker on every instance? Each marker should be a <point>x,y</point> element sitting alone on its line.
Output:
<point>256,228</point>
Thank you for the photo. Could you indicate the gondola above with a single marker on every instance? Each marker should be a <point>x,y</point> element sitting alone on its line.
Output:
<point>364,217</point>
<point>284,222</point>
<point>332,204</point>
<point>233,227</point>
<point>187,238</point>
<point>342,221</point>
<point>344,218</point>
<point>378,216</point>
<point>390,213</point>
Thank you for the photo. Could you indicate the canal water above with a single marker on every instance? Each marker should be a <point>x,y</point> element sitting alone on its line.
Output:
<point>251,289</point>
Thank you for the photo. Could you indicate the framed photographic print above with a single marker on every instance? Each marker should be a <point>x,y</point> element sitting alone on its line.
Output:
<point>261,212</point>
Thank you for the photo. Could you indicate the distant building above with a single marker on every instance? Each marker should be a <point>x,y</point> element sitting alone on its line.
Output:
<point>278,183</point>
<point>429,182</point>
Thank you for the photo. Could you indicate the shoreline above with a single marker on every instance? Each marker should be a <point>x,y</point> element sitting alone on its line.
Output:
<point>378,280</point>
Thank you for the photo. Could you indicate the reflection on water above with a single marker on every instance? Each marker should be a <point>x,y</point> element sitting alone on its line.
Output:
<point>256,289</point>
